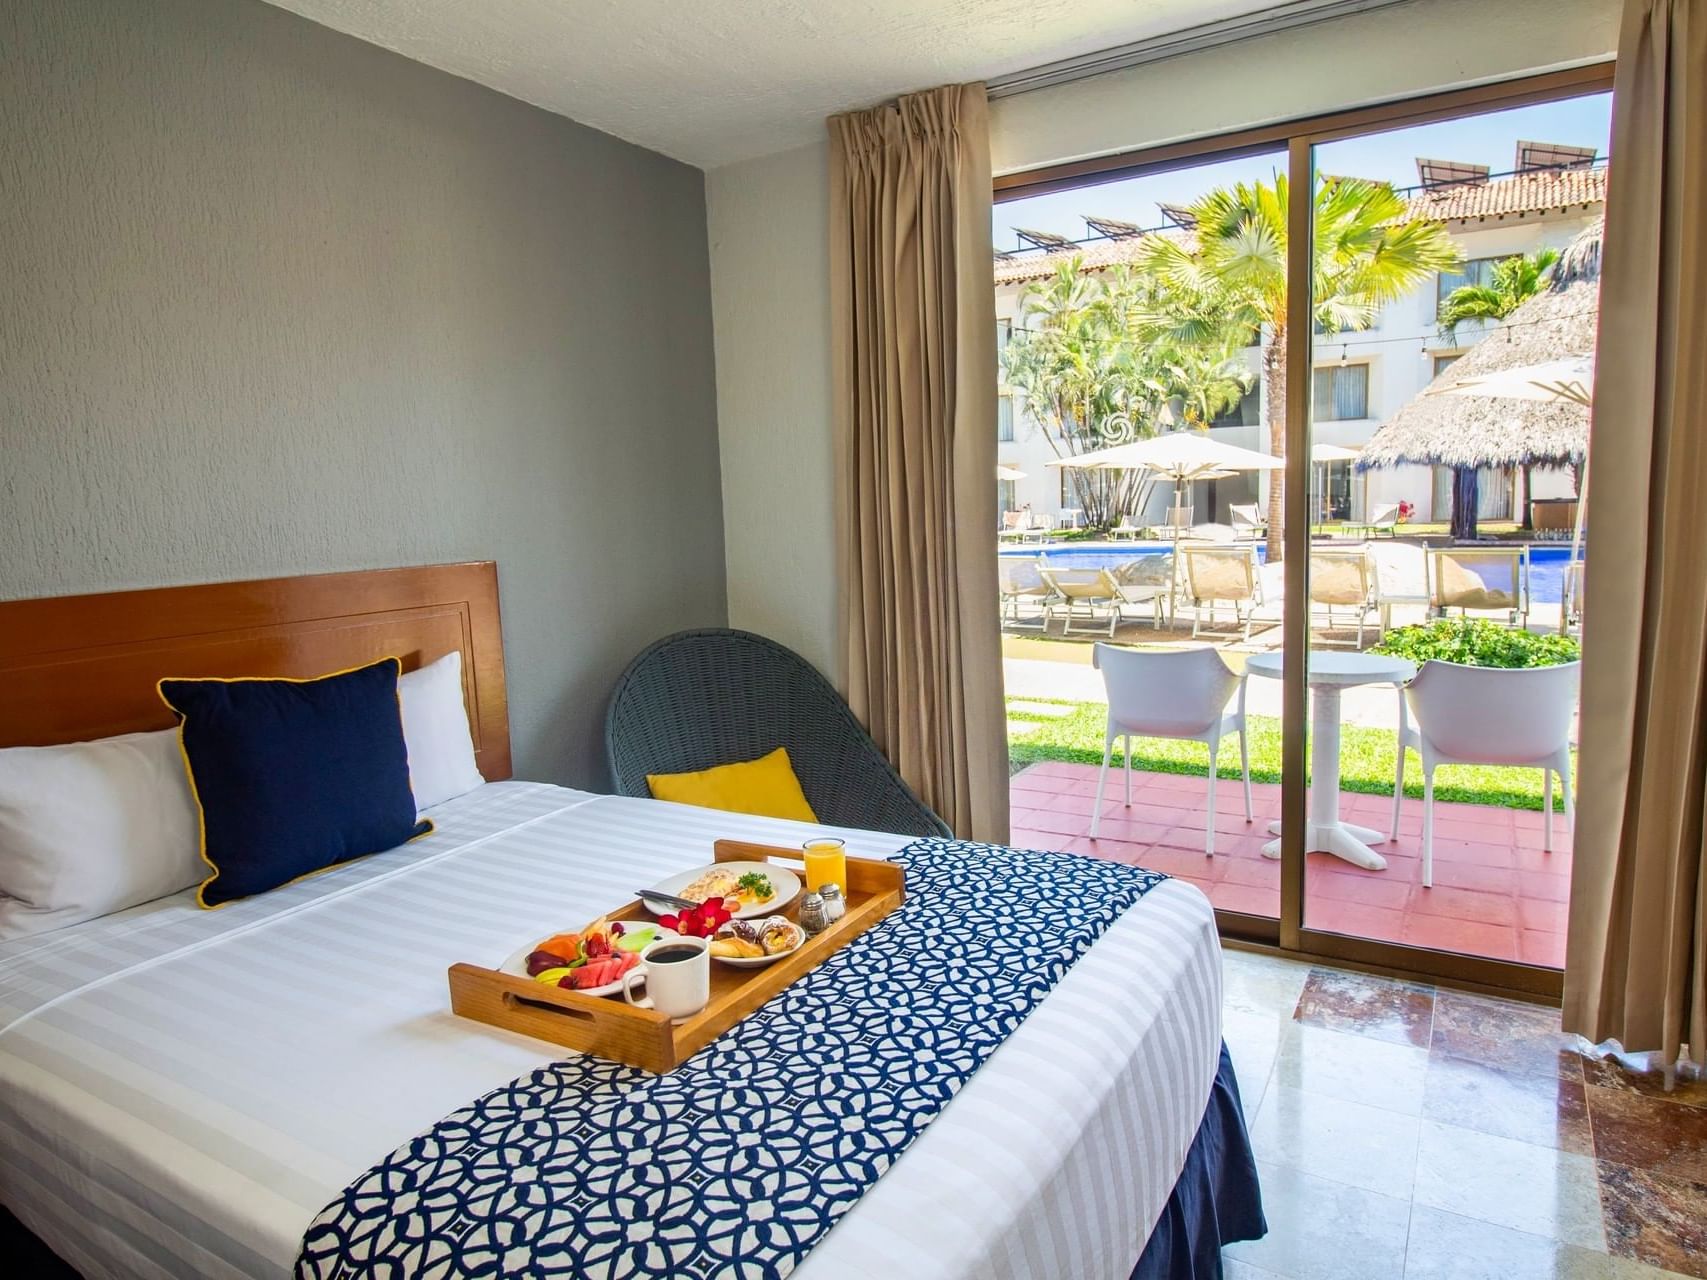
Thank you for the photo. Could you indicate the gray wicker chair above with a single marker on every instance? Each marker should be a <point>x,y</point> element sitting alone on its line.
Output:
<point>704,698</point>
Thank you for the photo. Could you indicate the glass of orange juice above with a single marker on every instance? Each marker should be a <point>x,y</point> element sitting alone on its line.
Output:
<point>826,863</point>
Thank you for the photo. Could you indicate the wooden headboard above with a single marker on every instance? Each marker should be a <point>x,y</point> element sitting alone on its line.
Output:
<point>79,667</point>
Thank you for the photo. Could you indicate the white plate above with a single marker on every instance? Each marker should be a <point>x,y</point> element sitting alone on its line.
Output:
<point>784,881</point>
<point>759,962</point>
<point>517,964</point>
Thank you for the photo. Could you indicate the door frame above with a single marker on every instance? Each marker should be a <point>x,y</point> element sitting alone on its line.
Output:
<point>1288,934</point>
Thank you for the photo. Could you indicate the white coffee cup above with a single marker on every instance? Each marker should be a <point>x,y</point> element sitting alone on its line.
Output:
<point>677,988</point>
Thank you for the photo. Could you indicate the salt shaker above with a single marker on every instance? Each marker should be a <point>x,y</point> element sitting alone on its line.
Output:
<point>835,906</point>
<point>813,917</point>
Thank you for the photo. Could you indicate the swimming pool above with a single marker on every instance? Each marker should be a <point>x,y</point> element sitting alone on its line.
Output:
<point>1546,564</point>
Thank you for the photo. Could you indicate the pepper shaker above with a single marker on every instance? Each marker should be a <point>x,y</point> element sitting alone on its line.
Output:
<point>813,917</point>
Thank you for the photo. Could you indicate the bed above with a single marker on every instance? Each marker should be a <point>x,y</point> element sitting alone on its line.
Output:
<point>181,1091</point>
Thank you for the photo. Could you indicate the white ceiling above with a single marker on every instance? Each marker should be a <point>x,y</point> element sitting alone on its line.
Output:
<point>713,81</point>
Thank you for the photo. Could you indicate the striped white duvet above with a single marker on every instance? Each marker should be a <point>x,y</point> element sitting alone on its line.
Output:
<point>181,1091</point>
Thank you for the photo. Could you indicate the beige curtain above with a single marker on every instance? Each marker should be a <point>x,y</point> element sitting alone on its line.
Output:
<point>914,328</point>
<point>1635,958</point>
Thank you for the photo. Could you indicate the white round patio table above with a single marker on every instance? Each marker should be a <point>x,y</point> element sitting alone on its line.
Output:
<point>1328,674</point>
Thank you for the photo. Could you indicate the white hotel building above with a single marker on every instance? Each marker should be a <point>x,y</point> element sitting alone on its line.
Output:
<point>1361,378</point>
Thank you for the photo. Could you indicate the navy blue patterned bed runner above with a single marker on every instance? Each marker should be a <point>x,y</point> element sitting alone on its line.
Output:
<point>737,1162</point>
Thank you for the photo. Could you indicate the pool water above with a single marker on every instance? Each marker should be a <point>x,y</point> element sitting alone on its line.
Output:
<point>1546,564</point>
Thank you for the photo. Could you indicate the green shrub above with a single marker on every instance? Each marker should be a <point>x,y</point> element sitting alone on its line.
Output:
<point>1478,642</point>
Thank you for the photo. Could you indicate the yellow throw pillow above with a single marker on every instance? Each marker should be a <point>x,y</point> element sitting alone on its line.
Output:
<point>766,787</point>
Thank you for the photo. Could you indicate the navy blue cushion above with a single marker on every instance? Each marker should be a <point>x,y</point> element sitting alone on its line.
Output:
<point>294,776</point>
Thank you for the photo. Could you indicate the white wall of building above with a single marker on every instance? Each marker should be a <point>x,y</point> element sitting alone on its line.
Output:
<point>1400,351</point>
<point>768,226</point>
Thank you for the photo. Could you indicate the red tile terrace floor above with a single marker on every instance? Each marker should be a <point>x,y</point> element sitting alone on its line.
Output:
<point>1496,892</point>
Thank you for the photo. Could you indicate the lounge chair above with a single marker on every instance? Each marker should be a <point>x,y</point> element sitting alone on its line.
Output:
<point>1148,580</point>
<point>1346,579</point>
<point>1213,574</point>
<point>1039,529</point>
<point>704,698</point>
<point>1179,519</point>
<point>1082,592</point>
<point>1248,519</point>
<point>1382,517</point>
<point>1571,598</point>
<point>1020,580</point>
<point>1125,529</point>
<point>1485,579</point>
<point>1014,525</point>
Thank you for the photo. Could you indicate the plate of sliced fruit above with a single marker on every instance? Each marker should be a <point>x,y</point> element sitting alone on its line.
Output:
<point>747,889</point>
<point>592,961</point>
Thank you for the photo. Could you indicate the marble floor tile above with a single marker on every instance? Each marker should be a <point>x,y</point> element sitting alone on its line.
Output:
<point>1332,1138</point>
<point>1233,1269</point>
<point>1513,1184</point>
<point>1380,1008</point>
<point>1507,1034</point>
<point>1649,1133</point>
<point>1356,1068</point>
<point>1654,1219</point>
<point>1447,1246</point>
<point>1609,1073</point>
<point>1257,983</point>
<point>1319,1229</point>
<point>1543,1107</point>
<point>1253,1040</point>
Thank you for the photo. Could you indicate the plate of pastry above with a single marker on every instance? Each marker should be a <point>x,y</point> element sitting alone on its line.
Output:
<point>750,944</point>
<point>760,888</point>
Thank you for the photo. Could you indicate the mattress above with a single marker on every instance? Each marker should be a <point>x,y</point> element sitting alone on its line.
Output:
<point>181,1091</point>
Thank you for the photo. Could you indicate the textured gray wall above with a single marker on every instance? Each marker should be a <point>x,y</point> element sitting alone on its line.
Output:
<point>274,301</point>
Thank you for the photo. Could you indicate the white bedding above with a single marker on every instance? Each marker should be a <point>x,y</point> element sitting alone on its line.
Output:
<point>181,1091</point>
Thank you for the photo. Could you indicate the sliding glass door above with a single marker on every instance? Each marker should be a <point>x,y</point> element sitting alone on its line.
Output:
<point>1233,450</point>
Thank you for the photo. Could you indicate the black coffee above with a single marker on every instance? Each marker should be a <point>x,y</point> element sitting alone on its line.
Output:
<point>672,955</point>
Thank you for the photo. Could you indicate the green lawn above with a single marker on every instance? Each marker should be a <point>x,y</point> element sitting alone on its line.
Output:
<point>1366,757</point>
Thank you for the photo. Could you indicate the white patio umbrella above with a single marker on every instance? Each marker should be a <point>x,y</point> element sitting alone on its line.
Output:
<point>1181,456</point>
<point>1005,472</point>
<point>1571,378</point>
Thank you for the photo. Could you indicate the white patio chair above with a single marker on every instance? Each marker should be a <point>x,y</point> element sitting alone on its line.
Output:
<point>1082,589</point>
<point>1170,693</point>
<point>1014,525</point>
<point>1345,579</point>
<point>1487,715</point>
<point>1179,518</point>
<point>1248,519</point>
<point>1492,579</point>
<point>1213,574</point>
<point>1019,579</point>
<point>1125,529</point>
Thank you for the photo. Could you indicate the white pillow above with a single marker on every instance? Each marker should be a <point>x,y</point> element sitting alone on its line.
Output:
<point>93,827</point>
<point>435,732</point>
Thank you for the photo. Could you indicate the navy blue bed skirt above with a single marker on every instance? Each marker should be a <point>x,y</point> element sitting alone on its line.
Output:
<point>1216,1200</point>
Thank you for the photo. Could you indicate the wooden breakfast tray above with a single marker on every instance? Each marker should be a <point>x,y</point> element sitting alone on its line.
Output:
<point>610,1027</point>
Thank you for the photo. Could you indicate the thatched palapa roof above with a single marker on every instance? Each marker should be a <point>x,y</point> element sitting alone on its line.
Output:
<point>1478,431</point>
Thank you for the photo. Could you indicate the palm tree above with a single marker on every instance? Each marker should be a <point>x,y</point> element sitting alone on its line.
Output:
<point>1511,283</point>
<point>1093,375</point>
<point>1233,268</point>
